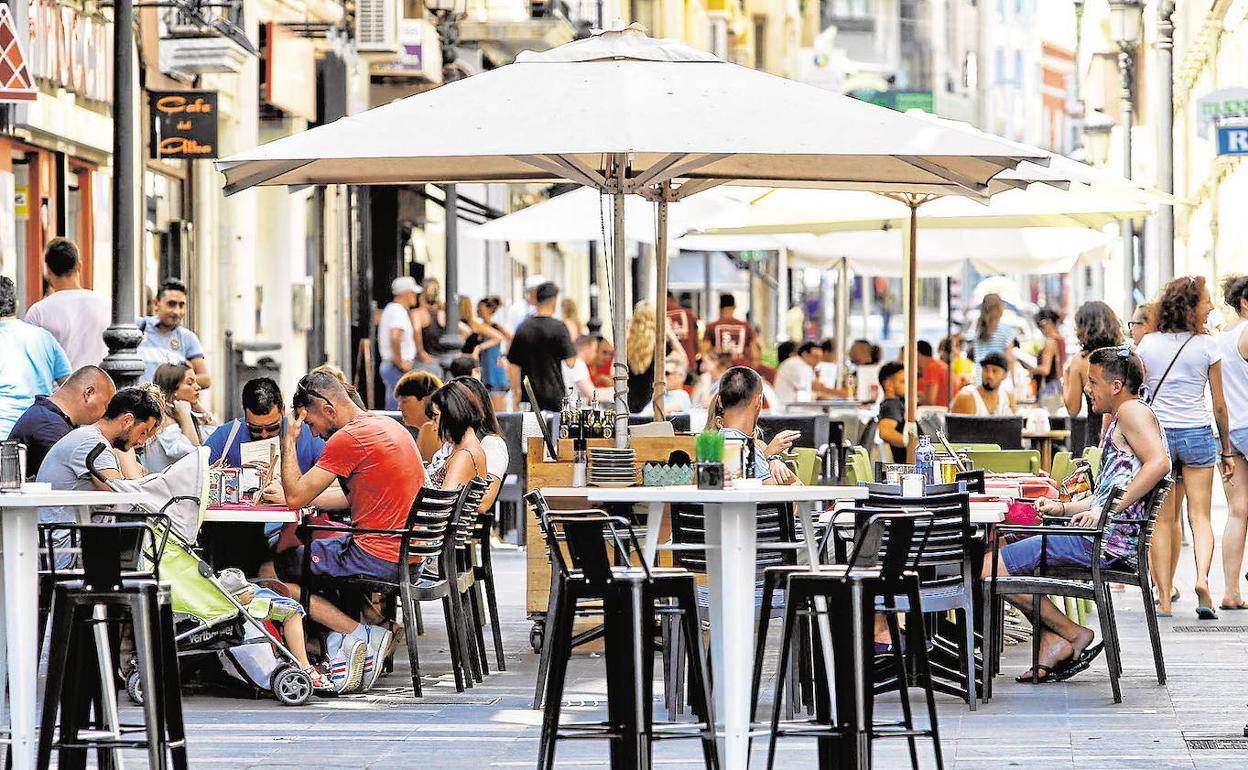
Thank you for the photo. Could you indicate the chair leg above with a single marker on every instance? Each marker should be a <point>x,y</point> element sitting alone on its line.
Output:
<point>1109,637</point>
<point>968,654</point>
<point>62,620</point>
<point>786,638</point>
<point>468,639</point>
<point>145,641</point>
<point>700,700</point>
<point>419,621</point>
<point>557,650</point>
<point>78,693</point>
<point>760,639</point>
<point>1154,632</point>
<point>411,617</point>
<point>477,624</point>
<point>903,689</point>
<point>554,604</point>
<point>1037,630</point>
<point>458,665</point>
<point>491,600</point>
<point>916,625</point>
<point>171,679</point>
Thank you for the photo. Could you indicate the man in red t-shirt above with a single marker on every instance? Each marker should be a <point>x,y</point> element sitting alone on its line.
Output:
<point>728,334</point>
<point>933,377</point>
<point>684,325</point>
<point>375,459</point>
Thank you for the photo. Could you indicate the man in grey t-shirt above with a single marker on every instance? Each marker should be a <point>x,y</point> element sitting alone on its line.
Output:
<point>131,418</point>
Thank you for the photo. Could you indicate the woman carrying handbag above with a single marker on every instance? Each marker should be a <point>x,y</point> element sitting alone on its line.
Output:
<point>1183,362</point>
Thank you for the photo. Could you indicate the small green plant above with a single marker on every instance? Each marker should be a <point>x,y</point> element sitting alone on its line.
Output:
<point>710,447</point>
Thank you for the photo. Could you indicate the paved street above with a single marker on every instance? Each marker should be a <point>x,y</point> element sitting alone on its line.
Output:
<point>1068,725</point>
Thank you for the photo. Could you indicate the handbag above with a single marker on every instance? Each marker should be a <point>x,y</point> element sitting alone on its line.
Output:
<point>1079,484</point>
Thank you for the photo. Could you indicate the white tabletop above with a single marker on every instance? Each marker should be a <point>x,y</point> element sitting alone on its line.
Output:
<point>252,515</point>
<point>691,494</point>
<point>67,497</point>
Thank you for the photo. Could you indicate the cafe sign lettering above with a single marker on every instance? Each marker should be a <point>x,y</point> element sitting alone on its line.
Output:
<point>184,124</point>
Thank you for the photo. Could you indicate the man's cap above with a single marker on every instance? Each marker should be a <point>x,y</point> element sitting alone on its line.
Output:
<point>546,291</point>
<point>534,281</point>
<point>995,359</point>
<point>404,284</point>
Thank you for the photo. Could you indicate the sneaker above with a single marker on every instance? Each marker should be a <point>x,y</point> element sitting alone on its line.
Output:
<point>346,661</point>
<point>377,640</point>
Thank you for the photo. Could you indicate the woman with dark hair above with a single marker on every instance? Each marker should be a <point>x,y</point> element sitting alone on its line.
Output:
<point>493,372</point>
<point>992,335</point>
<point>178,434</point>
<point>1184,366</point>
<point>490,434</point>
<point>1233,342</point>
<point>455,413</point>
<point>1047,371</point>
<point>1096,326</point>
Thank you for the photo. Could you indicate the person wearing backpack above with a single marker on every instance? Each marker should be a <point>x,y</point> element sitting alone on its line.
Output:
<point>1184,365</point>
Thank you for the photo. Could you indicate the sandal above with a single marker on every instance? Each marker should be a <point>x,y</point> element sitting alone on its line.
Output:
<point>320,682</point>
<point>1046,675</point>
<point>1072,666</point>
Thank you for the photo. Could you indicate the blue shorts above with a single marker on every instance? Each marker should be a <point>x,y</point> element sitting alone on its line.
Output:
<point>1192,448</point>
<point>336,557</point>
<point>1023,557</point>
<point>1239,441</point>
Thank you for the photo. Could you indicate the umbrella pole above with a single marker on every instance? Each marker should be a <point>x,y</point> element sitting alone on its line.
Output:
<point>949,337</point>
<point>911,357</point>
<point>660,306</point>
<point>842,323</point>
<point>619,270</point>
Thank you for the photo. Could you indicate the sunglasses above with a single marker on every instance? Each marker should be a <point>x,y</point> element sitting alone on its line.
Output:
<point>271,428</point>
<point>1133,324</point>
<point>303,394</point>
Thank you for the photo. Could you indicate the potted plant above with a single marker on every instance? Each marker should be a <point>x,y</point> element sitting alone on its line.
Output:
<point>710,464</point>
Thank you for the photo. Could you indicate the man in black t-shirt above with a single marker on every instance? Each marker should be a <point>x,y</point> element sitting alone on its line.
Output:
<point>892,430</point>
<point>538,351</point>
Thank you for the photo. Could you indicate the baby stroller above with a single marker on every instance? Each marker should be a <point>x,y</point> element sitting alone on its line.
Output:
<point>208,620</point>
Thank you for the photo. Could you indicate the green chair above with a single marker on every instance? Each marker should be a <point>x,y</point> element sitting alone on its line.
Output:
<point>858,467</point>
<point>805,464</point>
<point>1007,460</point>
<point>940,449</point>
<point>1093,455</point>
<point>1063,465</point>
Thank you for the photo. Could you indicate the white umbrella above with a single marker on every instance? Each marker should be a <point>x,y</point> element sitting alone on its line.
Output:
<point>584,215</point>
<point>625,113</point>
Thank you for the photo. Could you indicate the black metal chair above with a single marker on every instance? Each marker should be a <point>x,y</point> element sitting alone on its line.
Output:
<point>1090,583</point>
<point>1005,432</point>
<point>429,533</point>
<point>866,439</point>
<point>879,575</point>
<point>680,422</point>
<point>120,569</point>
<point>813,427</point>
<point>628,595</point>
<point>481,558</point>
<point>512,514</point>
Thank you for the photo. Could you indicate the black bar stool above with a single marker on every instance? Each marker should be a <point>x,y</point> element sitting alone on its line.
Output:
<point>630,597</point>
<point>72,690</point>
<point>872,580</point>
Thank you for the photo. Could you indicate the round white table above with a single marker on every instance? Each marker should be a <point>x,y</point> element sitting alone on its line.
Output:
<point>20,549</point>
<point>731,523</point>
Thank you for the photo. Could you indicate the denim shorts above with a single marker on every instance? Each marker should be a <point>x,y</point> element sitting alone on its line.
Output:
<point>336,557</point>
<point>1023,557</point>
<point>1192,447</point>
<point>1239,441</point>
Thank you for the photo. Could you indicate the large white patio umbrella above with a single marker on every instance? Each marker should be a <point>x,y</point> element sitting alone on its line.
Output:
<point>625,113</point>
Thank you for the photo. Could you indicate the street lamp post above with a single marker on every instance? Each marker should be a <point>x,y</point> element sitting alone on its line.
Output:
<point>122,336</point>
<point>448,13</point>
<point>1165,138</point>
<point>1125,17</point>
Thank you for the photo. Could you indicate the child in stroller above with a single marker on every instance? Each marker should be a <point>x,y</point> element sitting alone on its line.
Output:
<point>266,604</point>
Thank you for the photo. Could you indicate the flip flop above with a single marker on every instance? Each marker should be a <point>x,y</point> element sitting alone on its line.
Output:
<point>1206,613</point>
<point>1076,665</point>
<point>1046,676</point>
<point>1240,606</point>
<point>1164,614</point>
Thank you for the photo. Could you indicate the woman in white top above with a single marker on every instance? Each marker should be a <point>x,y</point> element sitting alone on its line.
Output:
<point>1233,344</point>
<point>1184,367</point>
<point>178,434</point>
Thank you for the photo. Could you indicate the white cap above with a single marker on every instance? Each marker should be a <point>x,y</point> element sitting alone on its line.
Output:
<point>404,284</point>
<point>534,281</point>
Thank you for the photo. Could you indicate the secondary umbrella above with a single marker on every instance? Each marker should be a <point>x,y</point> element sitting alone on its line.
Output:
<point>625,113</point>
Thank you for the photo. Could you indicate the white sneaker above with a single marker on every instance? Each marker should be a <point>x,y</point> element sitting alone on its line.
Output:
<point>377,640</point>
<point>346,661</point>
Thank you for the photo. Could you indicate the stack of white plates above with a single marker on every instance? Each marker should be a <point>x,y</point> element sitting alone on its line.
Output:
<point>612,467</point>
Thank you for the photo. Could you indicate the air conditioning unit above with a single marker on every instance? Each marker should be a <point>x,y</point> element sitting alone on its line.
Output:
<point>377,26</point>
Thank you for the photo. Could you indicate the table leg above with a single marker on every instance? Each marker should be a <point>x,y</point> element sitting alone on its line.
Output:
<point>654,522</point>
<point>822,620</point>
<point>730,572</point>
<point>21,617</point>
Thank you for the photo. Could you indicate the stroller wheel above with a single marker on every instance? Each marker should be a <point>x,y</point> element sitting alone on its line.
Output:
<point>291,686</point>
<point>134,688</point>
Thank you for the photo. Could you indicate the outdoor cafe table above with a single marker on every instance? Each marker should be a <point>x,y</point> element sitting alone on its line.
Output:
<point>20,513</point>
<point>236,536</point>
<point>731,523</point>
<point>1044,442</point>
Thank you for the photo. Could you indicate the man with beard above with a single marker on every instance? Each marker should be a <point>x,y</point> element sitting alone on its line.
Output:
<point>986,399</point>
<point>131,418</point>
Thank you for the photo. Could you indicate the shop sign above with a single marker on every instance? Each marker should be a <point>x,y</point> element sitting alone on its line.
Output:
<point>184,124</point>
<point>16,84</point>
<point>1233,140</point>
<point>21,201</point>
<point>71,51</point>
<point>420,53</point>
<point>1218,106</point>
<point>289,71</point>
